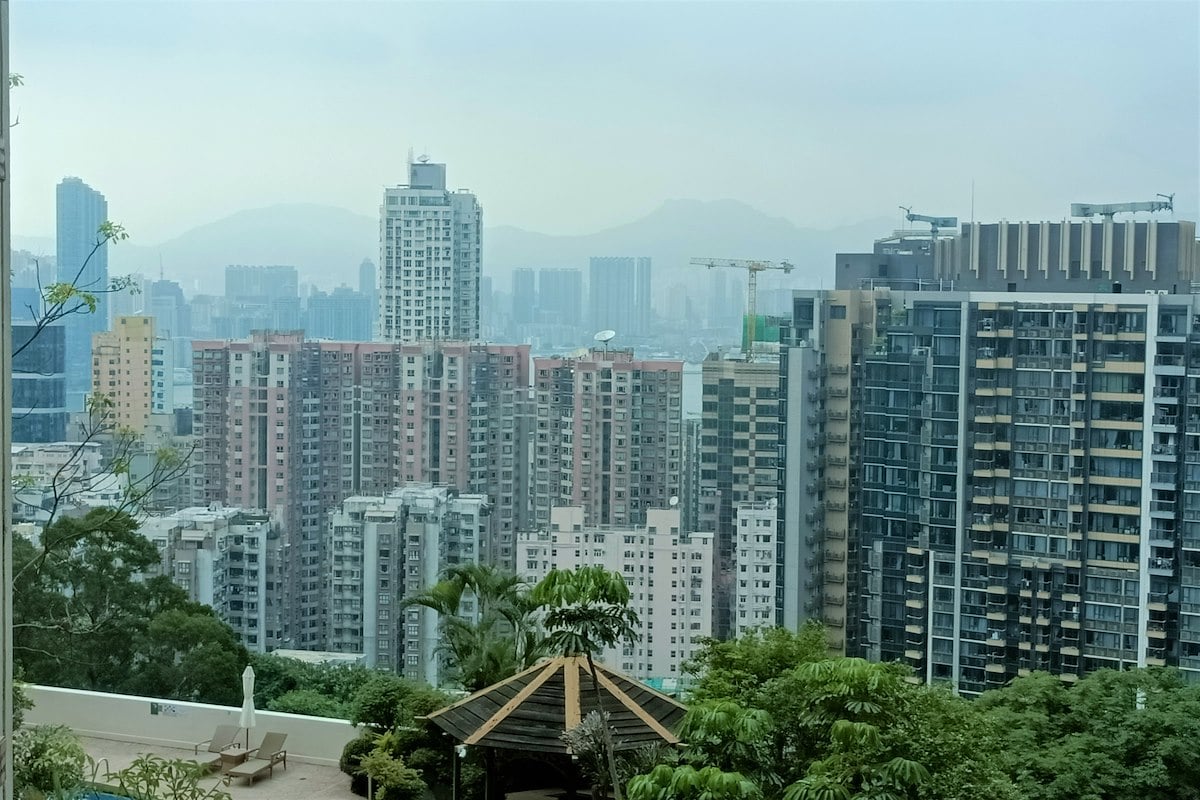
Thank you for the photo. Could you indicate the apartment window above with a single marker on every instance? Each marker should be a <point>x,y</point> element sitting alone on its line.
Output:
<point>837,312</point>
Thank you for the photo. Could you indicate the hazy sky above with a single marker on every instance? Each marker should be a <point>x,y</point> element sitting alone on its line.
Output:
<point>568,117</point>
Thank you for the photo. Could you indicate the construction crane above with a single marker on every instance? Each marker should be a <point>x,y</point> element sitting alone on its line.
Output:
<point>1107,210</point>
<point>753,268</point>
<point>934,222</point>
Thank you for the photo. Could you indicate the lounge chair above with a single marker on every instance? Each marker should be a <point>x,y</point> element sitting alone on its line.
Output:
<point>262,758</point>
<point>224,736</point>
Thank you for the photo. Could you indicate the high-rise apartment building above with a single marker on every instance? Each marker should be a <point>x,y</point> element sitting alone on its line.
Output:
<point>429,260</point>
<point>560,296</point>
<point>254,283</point>
<point>162,376</point>
<point>296,427</point>
<point>609,435</point>
<point>122,371</point>
<point>39,401</point>
<point>465,420</point>
<point>820,440</point>
<point>164,300</point>
<point>224,558</point>
<point>379,550</point>
<point>738,455</point>
<point>259,298</point>
<point>343,315</point>
<point>1022,486</point>
<point>755,558</point>
<point>290,427</point>
<point>669,574</point>
<point>619,295</point>
<point>524,296</point>
<point>364,578</point>
<point>80,211</point>
<point>441,528</point>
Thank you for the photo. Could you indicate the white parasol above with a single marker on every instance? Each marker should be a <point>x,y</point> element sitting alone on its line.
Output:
<point>247,719</point>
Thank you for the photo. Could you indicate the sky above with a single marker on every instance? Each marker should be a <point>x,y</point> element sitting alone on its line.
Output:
<point>571,117</point>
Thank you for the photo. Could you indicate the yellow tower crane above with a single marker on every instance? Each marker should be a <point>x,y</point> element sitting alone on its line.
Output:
<point>753,268</point>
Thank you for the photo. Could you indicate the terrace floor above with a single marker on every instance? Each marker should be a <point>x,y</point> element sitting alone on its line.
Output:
<point>297,782</point>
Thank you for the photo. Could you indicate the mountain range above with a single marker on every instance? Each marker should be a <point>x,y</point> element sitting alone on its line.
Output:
<point>326,245</point>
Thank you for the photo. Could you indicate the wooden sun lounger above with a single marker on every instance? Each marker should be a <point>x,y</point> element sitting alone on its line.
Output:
<point>262,758</point>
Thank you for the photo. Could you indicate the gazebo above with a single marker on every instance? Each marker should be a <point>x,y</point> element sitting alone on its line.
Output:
<point>531,710</point>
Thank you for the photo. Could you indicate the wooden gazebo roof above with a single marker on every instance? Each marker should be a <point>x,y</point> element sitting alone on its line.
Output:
<point>532,709</point>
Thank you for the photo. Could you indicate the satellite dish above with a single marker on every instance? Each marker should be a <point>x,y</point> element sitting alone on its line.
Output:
<point>424,159</point>
<point>605,337</point>
<point>674,501</point>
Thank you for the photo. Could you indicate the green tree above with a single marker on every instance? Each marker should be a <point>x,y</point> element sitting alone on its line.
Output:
<point>1113,736</point>
<point>737,669</point>
<point>189,654</point>
<point>392,707</point>
<point>498,639</point>
<point>84,617</point>
<point>309,703</point>
<point>325,688</point>
<point>586,610</point>
<point>734,739</point>
<point>689,783</point>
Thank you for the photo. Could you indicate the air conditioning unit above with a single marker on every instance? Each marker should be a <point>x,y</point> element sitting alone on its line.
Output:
<point>920,351</point>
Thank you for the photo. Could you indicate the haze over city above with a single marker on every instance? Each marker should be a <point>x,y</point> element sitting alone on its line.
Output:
<point>572,117</point>
<point>746,401</point>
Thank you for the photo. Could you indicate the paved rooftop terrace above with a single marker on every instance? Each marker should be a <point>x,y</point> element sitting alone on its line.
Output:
<point>297,782</point>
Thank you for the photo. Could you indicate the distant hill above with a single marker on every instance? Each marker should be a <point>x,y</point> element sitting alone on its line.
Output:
<point>680,230</point>
<point>326,244</point>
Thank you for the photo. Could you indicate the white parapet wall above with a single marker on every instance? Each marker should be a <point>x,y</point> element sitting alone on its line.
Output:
<point>173,723</point>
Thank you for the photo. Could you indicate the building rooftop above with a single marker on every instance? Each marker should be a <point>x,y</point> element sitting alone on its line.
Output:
<point>298,782</point>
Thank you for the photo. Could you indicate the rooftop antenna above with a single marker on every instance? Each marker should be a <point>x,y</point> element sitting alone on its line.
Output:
<point>604,337</point>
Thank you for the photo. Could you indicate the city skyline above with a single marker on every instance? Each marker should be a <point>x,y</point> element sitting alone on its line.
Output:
<point>1141,119</point>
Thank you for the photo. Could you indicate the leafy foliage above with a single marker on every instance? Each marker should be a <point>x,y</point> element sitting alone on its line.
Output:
<point>187,653</point>
<point>688,783</point>
<point>84,618</point>
<point>1113,736</point>
<point>387,701</point>
<point>46,758</point>
<point>324,690</point>
<point>586,743</point>
<point>495,643</point>
<point>392,778</point>
<point>154,776</point>
<point>587,609</point>
<point>738,668</point>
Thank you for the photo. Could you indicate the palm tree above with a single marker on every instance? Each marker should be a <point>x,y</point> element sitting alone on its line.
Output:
<point>587,609</point>
<point>503,637</point>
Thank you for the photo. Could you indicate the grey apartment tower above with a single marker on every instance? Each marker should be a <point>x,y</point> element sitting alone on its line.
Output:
<point>990,443</point>
<point>81,210</point>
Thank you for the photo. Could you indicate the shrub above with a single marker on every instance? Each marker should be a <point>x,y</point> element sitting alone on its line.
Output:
<point>393,779</point>
<point>351,761</point>
<point>46,758</point>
